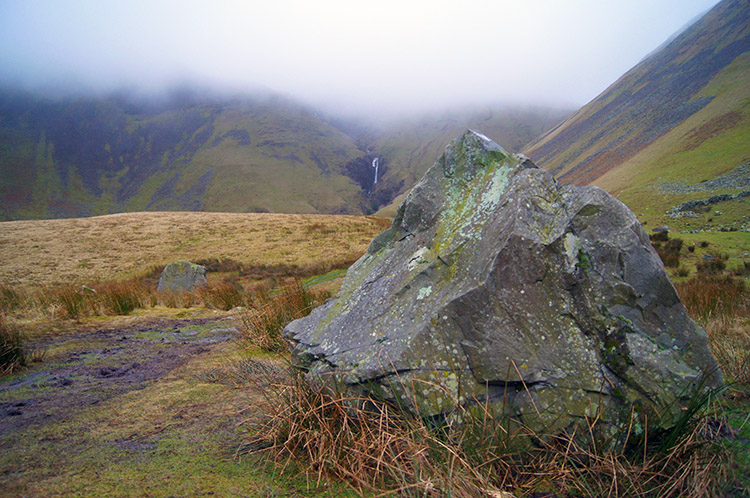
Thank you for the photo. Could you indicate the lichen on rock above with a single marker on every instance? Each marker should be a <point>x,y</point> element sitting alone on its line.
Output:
<point>498,285</point>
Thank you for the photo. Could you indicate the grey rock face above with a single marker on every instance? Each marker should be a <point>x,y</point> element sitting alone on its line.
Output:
<point>497,285</point>
<point>182,276</point>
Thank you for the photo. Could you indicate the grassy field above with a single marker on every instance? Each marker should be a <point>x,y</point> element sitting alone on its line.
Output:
<point>146,400</point>
<point>705,146</point>
<point>176,396</point>
<point>119,246</point>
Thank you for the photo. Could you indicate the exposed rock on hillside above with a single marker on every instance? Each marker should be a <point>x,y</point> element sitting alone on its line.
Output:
<point>687,208</point>
<point>737,178</point>
<point>182,276</point>
<point>496,283</point>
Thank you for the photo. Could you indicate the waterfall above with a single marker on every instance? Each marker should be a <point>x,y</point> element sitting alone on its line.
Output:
<point>375,165</point>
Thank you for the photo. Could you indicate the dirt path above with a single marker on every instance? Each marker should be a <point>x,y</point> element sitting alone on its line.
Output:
<point>94,366</point>
<point>132,411</point>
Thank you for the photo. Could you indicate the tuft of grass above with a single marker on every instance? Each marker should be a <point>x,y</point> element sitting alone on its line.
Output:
<point>659,236</point>
<point>714,297</point>
<point>225,295</point>
<point>69,301</point>
<point>262,326</point>
<point>10,298</point>
<point>711,266</point>
<point>121,298</point>
<point>742,269</point>
<point>178,299</point>
<point>12,354</point>
<point>669,251</point>
<point>681,271</point>
<point>376,447</point>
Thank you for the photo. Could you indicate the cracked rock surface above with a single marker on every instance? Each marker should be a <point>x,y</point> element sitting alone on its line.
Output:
<point>497,285</point>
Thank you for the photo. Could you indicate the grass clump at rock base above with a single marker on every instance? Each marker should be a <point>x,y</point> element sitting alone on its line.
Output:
<point>264,324</point>
<point>380,449</point>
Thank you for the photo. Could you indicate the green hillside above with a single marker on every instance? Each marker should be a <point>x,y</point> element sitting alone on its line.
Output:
<point>674,128</point>
<point>86,156</point>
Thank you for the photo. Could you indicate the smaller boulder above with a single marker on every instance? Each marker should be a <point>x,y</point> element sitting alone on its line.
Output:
<point>182,276</point>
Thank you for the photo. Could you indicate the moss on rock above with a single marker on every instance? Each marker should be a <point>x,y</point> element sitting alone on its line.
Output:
<point>498,286</point>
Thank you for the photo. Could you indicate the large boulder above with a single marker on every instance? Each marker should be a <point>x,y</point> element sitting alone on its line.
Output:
<point>498,285</point>
<point>182,276</point>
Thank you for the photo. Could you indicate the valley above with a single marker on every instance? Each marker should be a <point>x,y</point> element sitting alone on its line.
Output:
<point>202,151</point>
<point>111,387</point>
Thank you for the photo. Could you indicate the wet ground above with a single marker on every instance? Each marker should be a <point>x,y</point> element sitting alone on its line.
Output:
<point>129,411</point>
<point>91,367</point>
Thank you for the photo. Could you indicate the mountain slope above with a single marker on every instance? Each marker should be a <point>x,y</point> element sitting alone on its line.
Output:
<point>86,156</point>
<point>194,152</point>
<point>677,119</point>
<point>652,98</point>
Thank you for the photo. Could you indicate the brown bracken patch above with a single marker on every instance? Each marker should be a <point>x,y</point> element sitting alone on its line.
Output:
<point>711,128</point>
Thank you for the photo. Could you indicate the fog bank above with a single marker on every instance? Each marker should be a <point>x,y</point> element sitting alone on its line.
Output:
<point>351,57</point>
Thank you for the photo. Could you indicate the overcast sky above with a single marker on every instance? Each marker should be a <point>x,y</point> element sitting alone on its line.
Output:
<point>349,54</point>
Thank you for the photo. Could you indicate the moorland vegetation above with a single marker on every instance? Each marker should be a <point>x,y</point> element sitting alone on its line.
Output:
<point>365,446</point>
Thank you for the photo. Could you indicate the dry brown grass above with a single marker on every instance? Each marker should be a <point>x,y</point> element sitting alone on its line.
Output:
<point>722,306</point>
<point>263,325</point>
<point>714,297</point>
<point>729,339</point>
<point>380,450</point>
<point>119,246</point>
<point>12,354</point>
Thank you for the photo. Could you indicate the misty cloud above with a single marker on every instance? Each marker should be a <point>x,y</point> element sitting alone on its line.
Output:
<point>345,55</point>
